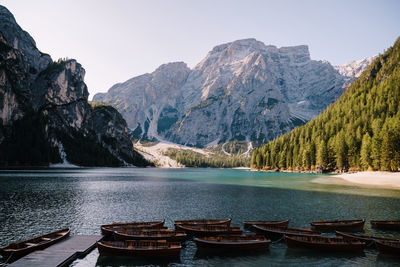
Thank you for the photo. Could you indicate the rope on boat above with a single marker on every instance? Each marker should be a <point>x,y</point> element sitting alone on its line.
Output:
<point>9,258</point>
<point>279,240</point>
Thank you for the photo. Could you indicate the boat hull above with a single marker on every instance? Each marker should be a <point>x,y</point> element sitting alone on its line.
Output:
<point>108,229</point>
<point>249,224</point>
<point>208,232</point>
<point>225,222</point>
<point>106,250</point>
<point>330,226</point>
<point>386,225</point>
<point>279,233</point>
<point>388,247</point>
<point>293,242</point>
<point>11,254</point>
<point>205,245</point>
<point>181,237</point>
<point>369,240</point>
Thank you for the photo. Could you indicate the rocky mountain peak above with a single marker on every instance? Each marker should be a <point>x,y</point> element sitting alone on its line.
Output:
<point>60,84</point>
<point>21,40</point>
<point>231,52</point>
<point>172,66</point>
<point>171,73</point>
<point>249,44</point>
<point>241,51</point>
<point>355,68</point>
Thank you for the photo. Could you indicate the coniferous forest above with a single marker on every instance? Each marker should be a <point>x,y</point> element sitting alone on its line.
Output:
<point>360,131</point>
<point>215,160</point>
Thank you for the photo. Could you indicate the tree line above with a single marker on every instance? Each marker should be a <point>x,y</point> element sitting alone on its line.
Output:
<point>216,160</point>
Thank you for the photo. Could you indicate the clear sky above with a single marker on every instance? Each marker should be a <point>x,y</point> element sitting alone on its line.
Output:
<point>116,40</point>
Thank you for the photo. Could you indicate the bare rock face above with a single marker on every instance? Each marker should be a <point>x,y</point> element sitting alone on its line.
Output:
<point>355,68</point>
<point>22,41</point>
<point>352,70</point>
<point>243,90</point>
<point>62,93</point>
<point>44,110</point>
<point>112,133</point>
<point>14,81</point>
<point>152,108</point>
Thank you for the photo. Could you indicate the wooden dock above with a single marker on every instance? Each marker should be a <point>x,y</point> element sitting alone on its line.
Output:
<point>60,254</point>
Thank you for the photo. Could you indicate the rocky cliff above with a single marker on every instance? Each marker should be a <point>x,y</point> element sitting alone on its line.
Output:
<point>243,90</point>
<point>355,68</point>
<point>45,116</point>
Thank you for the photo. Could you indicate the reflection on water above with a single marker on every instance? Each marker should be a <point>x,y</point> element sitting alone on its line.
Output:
<point>126,261</point>
<point>39,201</point>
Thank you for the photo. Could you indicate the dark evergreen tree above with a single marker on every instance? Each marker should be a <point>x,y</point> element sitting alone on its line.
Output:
<point>366,148</point>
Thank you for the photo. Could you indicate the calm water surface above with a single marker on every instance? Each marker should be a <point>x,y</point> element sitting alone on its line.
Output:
<point>40,201</point>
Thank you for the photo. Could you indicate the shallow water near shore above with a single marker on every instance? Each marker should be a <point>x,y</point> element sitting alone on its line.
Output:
<point>40,201</point>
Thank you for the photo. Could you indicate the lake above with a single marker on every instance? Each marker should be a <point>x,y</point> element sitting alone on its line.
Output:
<point>40,201</point>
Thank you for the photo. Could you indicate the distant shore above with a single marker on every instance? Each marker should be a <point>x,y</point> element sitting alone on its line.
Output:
<point>388,180</point>
<point>381,179</point>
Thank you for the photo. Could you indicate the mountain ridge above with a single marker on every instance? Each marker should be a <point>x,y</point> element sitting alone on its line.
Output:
<point>242,90</point>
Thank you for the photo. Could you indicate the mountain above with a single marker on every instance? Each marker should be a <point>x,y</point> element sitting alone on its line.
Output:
<point>355,68</point>
<point>45,116</point>
<point>243,90</point>
<point>352,70</point>
<point>360,131</point>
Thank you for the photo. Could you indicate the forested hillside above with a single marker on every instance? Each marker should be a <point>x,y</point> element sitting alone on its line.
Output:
<point>214,160</point>
<point>361,130</point>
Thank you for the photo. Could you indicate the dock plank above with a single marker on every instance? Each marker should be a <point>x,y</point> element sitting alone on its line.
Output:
<point>60,254</point>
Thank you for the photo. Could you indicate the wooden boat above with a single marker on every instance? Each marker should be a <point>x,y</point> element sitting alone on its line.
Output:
<point>387,225</point>
<point>226,222</point>
<point>275,233</point>
<point>19,249</point>
<point>341,225</point>
<point>155,234</point>
<point>108,229</point>
<point>324,243</point>
<point>142,248</point>
<point>232,243</point>
<point>390,247</point>
<point>248,224</point>
<point>369,240</point>
<point>209,230</point>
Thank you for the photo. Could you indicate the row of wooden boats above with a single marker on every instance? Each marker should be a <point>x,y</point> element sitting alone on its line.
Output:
<point>153,239</point>
<point>344,241</point>
<point>219,235</point>
<point>334,225</point>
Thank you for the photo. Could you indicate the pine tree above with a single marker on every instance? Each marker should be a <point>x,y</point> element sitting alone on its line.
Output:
<point>322,155</point>
<point>386,149</point>
<point>341,152</point>
<point>259,161</point>
<point>366,149</point>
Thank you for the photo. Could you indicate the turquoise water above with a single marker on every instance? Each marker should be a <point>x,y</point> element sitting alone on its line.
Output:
<point>39,201</point>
